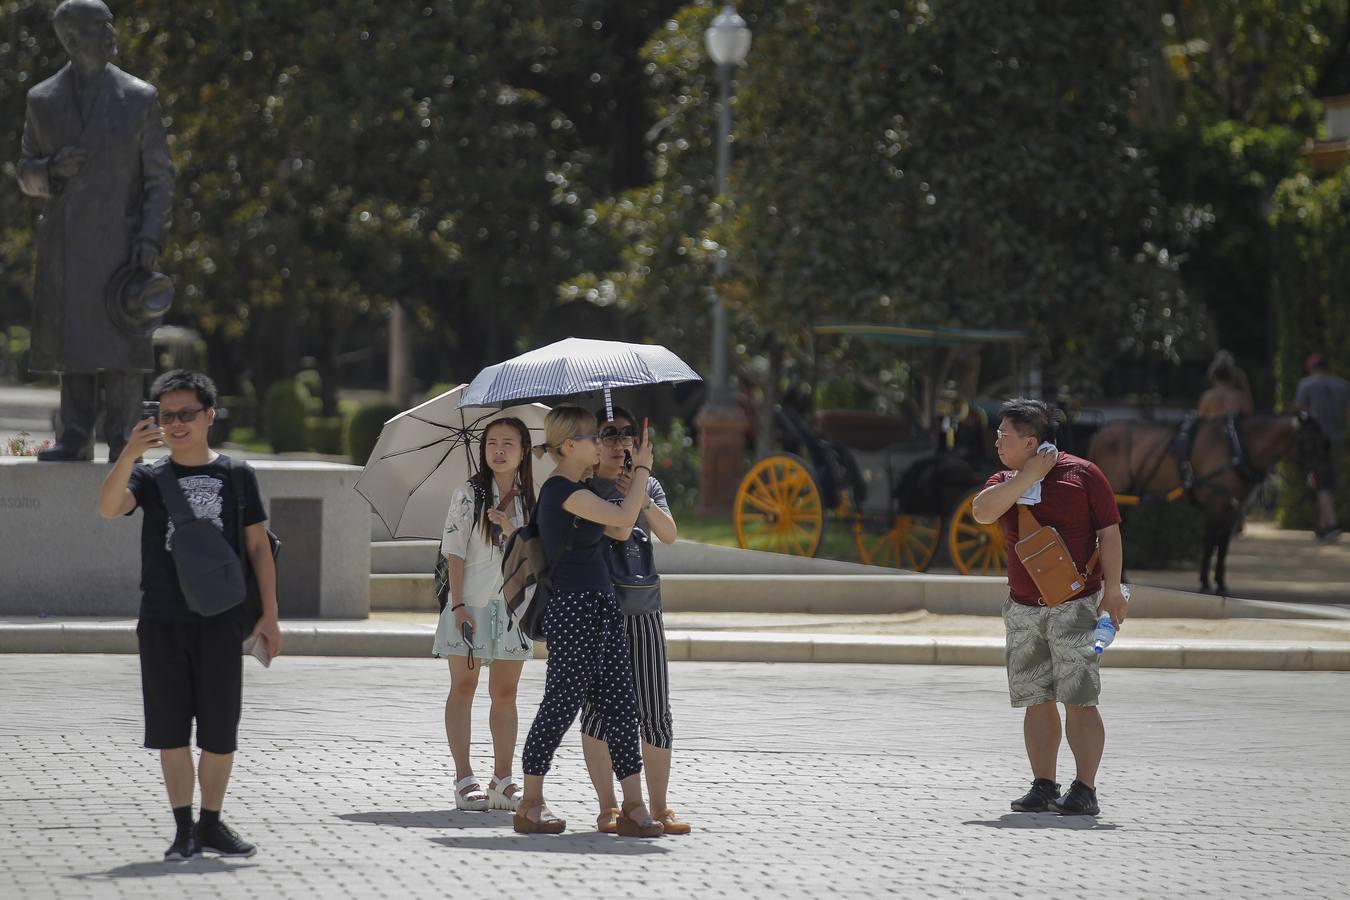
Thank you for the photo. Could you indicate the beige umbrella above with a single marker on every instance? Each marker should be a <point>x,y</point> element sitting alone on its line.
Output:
<point>426,452</point>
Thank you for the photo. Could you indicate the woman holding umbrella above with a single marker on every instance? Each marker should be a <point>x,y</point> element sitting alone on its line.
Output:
<point>587,646</point>
<point>646,640</point>
<point>474,626</point>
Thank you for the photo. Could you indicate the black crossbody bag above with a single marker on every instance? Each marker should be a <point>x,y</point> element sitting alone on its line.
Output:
<point>633,571</point>
<point>210,573</point>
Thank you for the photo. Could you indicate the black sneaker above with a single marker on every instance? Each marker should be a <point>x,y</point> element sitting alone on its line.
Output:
<point>1043,793</point>
<point>184,847</point>
<point>222,840</point>
<point>1081,800</point>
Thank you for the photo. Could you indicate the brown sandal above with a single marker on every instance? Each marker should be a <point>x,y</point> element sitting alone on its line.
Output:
<point>523,824</point>
<point>627,826</point>
<point>608,821</point>
<point>672,823</point>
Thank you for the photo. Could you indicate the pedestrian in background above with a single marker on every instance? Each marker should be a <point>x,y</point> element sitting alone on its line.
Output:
<point>192,665</point>
<point>646,634</point>
<point>1326,398</point>
<point>587,647</point>
<point>1049,649</point>
<point>474,629</point>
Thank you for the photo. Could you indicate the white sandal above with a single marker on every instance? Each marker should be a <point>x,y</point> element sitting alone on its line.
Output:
<point>469,794</point>
<point>498,798</point>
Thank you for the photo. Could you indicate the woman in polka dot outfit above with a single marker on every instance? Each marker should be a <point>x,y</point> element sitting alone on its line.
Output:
<point>587,645</point>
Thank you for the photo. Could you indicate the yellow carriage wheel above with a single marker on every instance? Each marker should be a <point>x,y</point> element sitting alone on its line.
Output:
<point>778,508</point>
<point>975,549</point>
<point>909,542</point>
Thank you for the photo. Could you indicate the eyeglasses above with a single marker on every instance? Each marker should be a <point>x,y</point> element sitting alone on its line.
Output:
<point>183,415</point>
<point>585,437</point>
<point>615,437</point>
<point>1000,434</point>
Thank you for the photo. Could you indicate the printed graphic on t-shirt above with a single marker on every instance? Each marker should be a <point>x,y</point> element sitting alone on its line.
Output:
<point>203,494</point>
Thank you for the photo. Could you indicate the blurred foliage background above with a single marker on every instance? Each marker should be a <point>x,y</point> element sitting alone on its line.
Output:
<point>1124,181</point>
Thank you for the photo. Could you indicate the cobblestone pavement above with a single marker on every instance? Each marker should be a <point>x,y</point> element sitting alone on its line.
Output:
<point>801,780</point>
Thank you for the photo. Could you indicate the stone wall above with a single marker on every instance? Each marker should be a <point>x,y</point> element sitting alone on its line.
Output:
<point>58,556</point>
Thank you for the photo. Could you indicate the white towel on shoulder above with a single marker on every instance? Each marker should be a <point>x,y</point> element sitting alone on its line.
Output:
<point>1032,495</point>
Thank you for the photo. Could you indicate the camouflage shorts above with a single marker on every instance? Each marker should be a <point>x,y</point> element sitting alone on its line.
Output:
<point>1049,653</point>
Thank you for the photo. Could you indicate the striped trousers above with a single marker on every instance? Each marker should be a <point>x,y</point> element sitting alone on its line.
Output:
<point>647,648</point>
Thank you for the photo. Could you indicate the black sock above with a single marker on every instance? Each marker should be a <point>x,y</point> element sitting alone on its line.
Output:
<point>210,818</point>
<point>183,816</point>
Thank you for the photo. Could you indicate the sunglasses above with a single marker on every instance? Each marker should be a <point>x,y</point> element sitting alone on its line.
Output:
<point>585,437</point>
<point>614,437</point>
<point>183,415</point>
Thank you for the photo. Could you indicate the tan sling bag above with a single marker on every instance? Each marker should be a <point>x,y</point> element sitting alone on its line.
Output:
<point>1047,560</point>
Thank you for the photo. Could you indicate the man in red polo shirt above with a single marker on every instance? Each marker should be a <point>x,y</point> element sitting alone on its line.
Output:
<point>1049,651</point>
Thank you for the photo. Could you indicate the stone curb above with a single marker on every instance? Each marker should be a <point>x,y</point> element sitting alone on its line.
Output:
<point>872,594</point>
<point>386,640</point>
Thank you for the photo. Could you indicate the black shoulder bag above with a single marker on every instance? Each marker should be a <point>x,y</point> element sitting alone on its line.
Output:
<point>633,572</point>
<point>210,573</point>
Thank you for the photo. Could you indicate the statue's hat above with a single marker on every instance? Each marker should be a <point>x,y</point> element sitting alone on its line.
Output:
<point>137,299</point>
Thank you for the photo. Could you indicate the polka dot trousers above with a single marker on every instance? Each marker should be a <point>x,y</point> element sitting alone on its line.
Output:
<point>587,661</point>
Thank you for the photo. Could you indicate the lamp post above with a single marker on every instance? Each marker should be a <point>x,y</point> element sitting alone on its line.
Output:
<point>722,425</point>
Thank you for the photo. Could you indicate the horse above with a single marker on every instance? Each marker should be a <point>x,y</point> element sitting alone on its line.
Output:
<point>1214,462</point>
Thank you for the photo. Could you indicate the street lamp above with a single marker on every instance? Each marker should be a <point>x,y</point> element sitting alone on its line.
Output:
<point>728,42</point>
<point>722,426</point>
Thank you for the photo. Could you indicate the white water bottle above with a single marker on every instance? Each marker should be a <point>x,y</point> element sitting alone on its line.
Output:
<point>1103,634</point>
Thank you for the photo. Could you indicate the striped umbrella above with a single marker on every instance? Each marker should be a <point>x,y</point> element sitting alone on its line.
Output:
<point>575,366</point>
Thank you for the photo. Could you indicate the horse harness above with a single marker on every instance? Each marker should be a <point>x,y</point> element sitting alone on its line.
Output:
<point>1182,445</point>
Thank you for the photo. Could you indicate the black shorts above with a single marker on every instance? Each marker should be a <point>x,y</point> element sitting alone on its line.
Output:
<point>191,669</point>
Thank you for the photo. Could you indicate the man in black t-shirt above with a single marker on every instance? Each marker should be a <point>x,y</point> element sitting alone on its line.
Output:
<point>191,665</point>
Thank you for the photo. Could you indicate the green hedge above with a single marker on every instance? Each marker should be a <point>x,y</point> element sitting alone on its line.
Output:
<point>677,464</point>
<point>438,389</point>
<point>285,419</point>
<point>327,434</point>
<point>364,429</point>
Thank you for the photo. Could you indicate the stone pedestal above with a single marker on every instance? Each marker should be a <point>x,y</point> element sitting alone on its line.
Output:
<point>58,556</point>
<point>721,446</point>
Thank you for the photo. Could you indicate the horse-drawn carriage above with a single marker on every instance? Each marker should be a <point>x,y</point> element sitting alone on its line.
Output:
<point>901,482</point>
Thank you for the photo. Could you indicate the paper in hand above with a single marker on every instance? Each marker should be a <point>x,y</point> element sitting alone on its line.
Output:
<point>257,647</point>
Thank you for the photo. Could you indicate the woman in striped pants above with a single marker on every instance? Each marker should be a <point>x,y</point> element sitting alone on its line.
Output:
<point>646,644</point>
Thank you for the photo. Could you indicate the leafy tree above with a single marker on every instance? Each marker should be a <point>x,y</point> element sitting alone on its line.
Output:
<point>336,159</point>
<point>945,162</point>
<point>1226,115</point>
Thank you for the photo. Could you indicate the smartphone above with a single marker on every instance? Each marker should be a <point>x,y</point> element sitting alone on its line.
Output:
<point>628,460</point>
<point>150,410</point>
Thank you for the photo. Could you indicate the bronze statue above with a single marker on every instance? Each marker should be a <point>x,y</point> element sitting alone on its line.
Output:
<point>95,151</point>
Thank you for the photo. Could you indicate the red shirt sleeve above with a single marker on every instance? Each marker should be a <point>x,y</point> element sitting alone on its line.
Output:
<point>998,478</point>
<point>1101,498</point>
